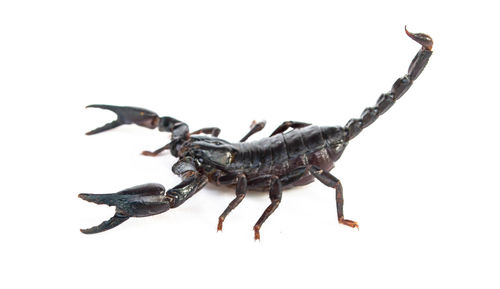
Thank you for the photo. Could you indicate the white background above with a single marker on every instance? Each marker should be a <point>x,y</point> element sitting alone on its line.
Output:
<point>421,181</point>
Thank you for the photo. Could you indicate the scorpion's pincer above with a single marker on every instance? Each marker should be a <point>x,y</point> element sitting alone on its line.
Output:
<point>139,201</point>
<point>127,115</point>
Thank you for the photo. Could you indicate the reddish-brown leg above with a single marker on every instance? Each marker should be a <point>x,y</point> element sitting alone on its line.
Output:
<point>289,124</point>
<point>275,196</point>
<point>254,127</point>
<point>156,152</point>
<point>213,131</point>
<point>241,190</point>
<point>331,181</point>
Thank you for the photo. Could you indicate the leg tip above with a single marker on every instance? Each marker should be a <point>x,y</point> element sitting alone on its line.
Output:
<point>256,231</point>
<point>219,225</point>
<point>148,153</point>
<point>349,223</point>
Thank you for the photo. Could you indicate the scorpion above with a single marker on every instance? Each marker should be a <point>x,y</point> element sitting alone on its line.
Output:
<point>273,164</point>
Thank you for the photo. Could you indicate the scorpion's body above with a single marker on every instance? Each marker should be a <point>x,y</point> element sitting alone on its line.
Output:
<point>280,155</point>
<point>282,160</point>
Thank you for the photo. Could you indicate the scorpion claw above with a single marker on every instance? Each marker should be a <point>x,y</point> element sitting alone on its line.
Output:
<point>106,225</point>
<point>126,115</point>
<point>105,127</point>
<point>423,39</point>
<point>139,201</point>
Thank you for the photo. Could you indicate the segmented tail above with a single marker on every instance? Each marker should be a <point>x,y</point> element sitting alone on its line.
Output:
<point>386,100</point>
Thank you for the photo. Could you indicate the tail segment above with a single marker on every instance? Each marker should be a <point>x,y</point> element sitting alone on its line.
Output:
<point>386,100</point>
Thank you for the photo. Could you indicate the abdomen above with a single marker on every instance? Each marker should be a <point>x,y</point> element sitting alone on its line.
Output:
<point>281,154</point>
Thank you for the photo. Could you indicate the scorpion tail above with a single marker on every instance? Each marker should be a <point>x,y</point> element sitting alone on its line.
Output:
<point>386,100</point>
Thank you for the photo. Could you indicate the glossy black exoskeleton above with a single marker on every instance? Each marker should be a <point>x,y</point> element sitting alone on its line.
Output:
<point>282,160</point>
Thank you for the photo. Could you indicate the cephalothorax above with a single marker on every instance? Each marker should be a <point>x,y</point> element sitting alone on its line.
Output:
<point>273,164</point>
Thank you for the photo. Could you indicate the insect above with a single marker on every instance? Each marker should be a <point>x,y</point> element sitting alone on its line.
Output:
<point>272,164</point>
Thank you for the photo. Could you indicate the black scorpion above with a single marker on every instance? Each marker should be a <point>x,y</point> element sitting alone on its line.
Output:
<point>272,164</point>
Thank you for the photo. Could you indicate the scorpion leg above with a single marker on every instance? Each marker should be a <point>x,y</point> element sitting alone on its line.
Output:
<point>254,127</point>
<point>275,196</point>
<point>241,190</point>
<point>289,124</point>
<point>156,152</point>
<point>214,131</point>
<point>331,181</point>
